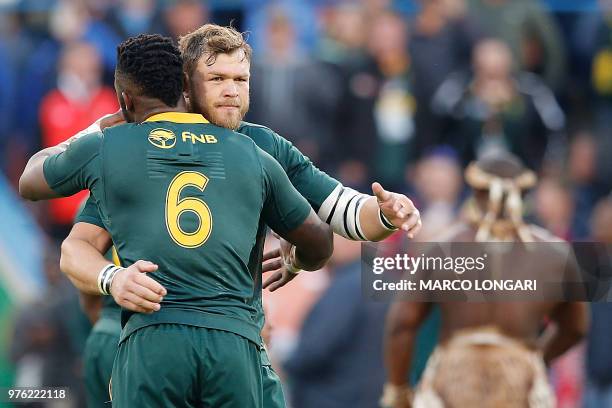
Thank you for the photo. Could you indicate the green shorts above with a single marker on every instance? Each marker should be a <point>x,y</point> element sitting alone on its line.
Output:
<point>176,365</point>
<point>273,396</point>
<point>98,358</point>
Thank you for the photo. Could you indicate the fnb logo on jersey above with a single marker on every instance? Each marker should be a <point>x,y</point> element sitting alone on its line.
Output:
<point>198,138</point>
<point>162,138</point>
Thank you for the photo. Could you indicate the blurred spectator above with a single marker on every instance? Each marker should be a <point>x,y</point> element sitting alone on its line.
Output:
<point>597,41</point>
<point>49,336</point>
<point>600,47</point>
<point>79,100</point>
<point>533,36</point>
<point>68,22</point>
<point>342,46</point>
<point>39,71</point>
<point>71,21</point>
<point>394,101</point>
<point>286,309</point>
<point>343,38</point>
<point>338,361</point>
<point>7,100</point>
<point>376,117</point>
<point>599,359</point>
<point>567,377</point>
<point>15,47</point>
<point>496,108</point>
<point>438,184</point>
<point>133,17</point>
<point>554,206</point>
<point>184,16</point>
<point>301,13</point>
<point>294,95</point>
<point>375,7</point>
<point>582,172</point>
<point>441,42</point>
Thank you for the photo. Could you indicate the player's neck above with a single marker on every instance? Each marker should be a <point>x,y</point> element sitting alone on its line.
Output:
<point>149,107</point>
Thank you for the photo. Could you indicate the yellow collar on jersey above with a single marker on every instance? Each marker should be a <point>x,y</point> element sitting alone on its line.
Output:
<point>177,117</point>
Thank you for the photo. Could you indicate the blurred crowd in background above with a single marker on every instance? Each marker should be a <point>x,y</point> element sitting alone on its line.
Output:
<point>401,92</point>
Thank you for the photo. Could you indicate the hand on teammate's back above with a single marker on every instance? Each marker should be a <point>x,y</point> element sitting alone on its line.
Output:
<point>399,210</point>
<point>111,120</point>
<point>277,262</point>
<point>102,123</point>
<point>132,289</point>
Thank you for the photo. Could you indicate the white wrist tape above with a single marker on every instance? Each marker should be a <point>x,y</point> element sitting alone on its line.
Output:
<point>290,261</point>
<point>384,221</point>
<point>392,394</point>
<point>105,278</point>
<point>341,211</point>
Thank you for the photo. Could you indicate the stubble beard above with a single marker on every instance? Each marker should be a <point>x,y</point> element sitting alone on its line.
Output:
<point>214,116</point>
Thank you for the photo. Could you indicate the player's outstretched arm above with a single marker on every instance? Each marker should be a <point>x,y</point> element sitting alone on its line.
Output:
<point>403,321</point>
<point>82,261</point>
<point>351,214</point>
<point>362,217</point>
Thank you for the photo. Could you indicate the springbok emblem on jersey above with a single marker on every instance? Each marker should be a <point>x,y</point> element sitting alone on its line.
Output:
<point>162,138</point>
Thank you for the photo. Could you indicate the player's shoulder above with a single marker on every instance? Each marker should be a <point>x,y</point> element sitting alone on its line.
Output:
<point>249,128</point>
<point>235,136</point>
<point>89,141</point>
<point>263,136</point>
<point>121,129</point>
<point>236,143</point>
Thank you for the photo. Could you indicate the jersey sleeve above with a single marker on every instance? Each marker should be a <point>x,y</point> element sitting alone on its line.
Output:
<point>90,214</point>
<point>77,168</point>
<point>314,184</point>
<point>284,208</point>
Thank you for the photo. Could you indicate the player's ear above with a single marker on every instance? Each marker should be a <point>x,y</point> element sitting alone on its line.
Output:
<point>186,89</point>
<point>185,82</point>
<point>127,100</point>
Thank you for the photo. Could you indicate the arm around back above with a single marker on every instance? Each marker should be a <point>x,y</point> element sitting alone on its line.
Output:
<point>290,215</point>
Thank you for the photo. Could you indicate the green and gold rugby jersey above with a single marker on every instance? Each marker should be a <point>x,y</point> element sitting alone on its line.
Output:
<point>311,183</point>
<point>190,197</point>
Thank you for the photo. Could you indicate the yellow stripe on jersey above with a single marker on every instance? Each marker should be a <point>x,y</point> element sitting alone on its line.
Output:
<point>177,117</point>
<point>115,256</point>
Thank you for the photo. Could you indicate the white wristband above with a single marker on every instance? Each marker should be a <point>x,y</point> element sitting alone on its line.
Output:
<point>290,262</point>
<point>392,394</point>
<point>102,276</point>
<point>384,222</point>
<point>105,278</point>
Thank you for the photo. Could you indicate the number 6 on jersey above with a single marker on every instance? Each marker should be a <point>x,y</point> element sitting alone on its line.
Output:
<point>175,207</point>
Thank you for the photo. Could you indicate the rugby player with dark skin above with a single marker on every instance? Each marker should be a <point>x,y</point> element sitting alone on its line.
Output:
<point>521,321</point>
